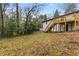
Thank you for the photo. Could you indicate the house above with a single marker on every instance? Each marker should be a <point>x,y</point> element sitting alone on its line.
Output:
<point>64,23</point>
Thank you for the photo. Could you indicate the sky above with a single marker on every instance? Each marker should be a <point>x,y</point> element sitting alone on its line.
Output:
<point>49,8</point>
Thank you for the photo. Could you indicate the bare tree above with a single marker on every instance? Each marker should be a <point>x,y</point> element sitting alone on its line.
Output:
<point>70,7</point>
<point>30,11</point>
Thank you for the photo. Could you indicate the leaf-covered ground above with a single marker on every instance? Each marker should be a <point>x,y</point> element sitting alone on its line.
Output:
<point>39,43</point>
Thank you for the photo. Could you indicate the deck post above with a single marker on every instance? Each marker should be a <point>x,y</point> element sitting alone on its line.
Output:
<point>65,23</point>
<point>53,28</point>
<point>75,21</point>
<point>56,27</point>
<point>60,28</point>
<point>65,26</point>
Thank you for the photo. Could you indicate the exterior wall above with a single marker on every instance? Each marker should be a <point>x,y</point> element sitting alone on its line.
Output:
<point>77,26</point>
<point>62,28</point>
<point>70,27</point>
<point>56,28</point>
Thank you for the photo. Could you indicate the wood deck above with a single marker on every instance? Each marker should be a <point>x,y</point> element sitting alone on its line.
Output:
<point>64,19</point>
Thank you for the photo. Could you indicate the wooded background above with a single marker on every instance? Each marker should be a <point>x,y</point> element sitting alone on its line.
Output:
<point>15,20</point>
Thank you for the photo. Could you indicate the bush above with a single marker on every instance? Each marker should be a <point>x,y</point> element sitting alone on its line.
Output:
<point>29,28</point>
<point>32,26</point>
<point>10,28</point>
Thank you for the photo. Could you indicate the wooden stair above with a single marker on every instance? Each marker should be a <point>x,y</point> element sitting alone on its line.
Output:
<point>48,28</point>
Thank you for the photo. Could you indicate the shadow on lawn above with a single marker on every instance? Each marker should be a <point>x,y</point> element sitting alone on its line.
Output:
<point>13,36</point>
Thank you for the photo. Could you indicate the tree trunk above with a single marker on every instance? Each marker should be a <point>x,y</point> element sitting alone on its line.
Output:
<point>2,20</point>
<point>17,17</point>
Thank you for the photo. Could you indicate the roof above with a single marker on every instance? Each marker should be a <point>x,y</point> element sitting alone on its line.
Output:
<point>62,16</point>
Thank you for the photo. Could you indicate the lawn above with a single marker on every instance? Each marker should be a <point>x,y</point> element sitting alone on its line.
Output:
<point>40,44</point>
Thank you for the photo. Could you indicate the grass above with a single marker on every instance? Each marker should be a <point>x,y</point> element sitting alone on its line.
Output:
<point>39,44</point>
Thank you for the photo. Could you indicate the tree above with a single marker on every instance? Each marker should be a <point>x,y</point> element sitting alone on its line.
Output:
<point>15,20</point>
<point>3,8</point>
<point>56,14</point>
<point>17,17</point>
<point>70,7</point>
<point>45,17</point>
<point>2,20</point>
<point>30,12</point>
<point>10,28</point>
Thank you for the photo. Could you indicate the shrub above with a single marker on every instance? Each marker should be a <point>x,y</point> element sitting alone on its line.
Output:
<point>29,28</point>
<point>10,27</point>
<point>32,26</point>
